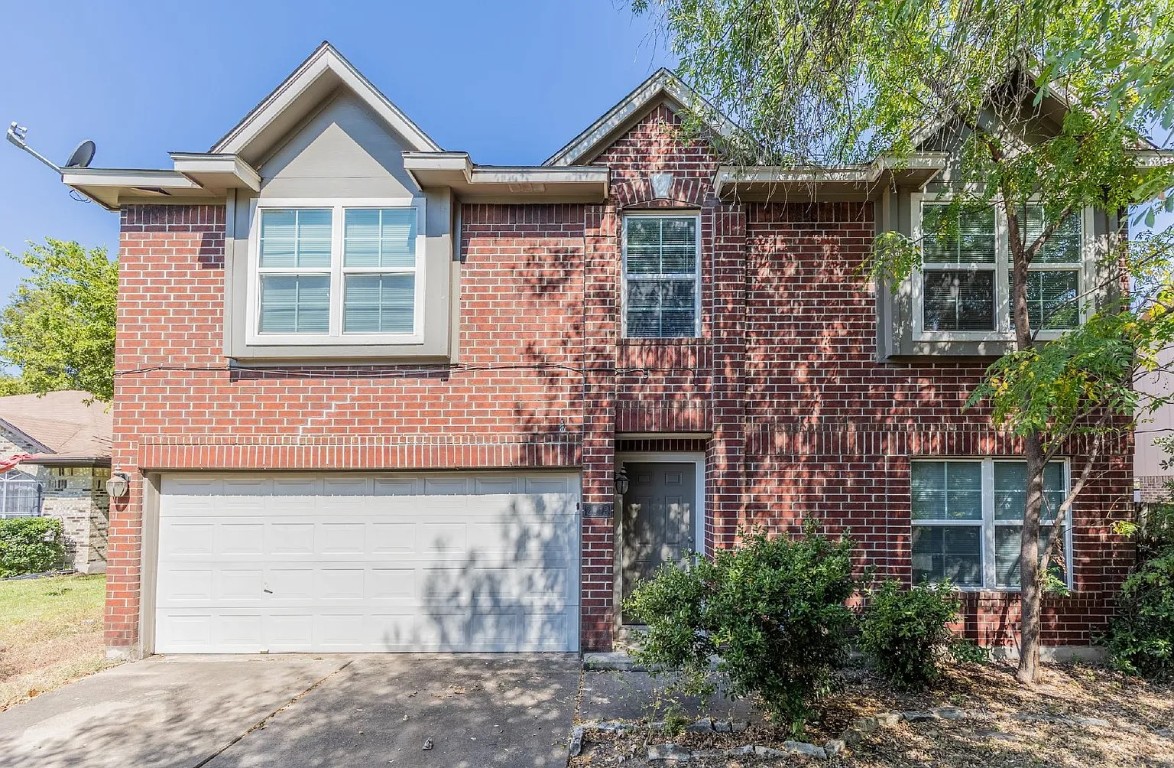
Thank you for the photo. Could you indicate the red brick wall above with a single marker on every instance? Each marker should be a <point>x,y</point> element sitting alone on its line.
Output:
<point>832,430</point>
<point>805,421</point>
<point>513,401</point>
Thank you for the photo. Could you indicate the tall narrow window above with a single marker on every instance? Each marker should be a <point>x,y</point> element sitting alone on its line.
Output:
<point>958,280</point>
<point>379,266</point>
<point>294,269</point>
<point>947,516</point>
<point>662,276</point>
<point>1053,282</point>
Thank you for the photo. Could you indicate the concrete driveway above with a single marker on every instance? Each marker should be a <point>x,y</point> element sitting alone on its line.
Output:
<point>303,710</point>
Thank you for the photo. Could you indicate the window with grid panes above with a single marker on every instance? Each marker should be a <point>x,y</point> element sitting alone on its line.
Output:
<point>967,515</point>
<point>662,278</point>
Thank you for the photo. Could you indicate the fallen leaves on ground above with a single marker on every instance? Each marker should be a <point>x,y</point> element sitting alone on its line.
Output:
<point>1140,716</point>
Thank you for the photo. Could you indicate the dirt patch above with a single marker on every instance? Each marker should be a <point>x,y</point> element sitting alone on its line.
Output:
<point>1052,724</point>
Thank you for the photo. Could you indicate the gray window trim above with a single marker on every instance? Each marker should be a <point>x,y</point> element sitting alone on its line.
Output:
<point>336,336</point>
<point>1001,266</point>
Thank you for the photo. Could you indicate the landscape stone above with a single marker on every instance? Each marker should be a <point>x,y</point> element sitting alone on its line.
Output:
<point>950,713</point>
<point>803,748</point>
<point>865,725</point>
<point>668,752</point>
<point>576,745</point>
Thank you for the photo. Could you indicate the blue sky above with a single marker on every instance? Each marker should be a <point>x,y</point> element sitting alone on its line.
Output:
<point>509,82</point>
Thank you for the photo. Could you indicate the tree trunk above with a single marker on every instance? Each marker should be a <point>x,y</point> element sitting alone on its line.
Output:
<point>1033,454</point>
<point>1029,563</point>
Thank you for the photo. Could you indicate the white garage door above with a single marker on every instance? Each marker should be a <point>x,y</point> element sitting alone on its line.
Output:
<point>336,562</point>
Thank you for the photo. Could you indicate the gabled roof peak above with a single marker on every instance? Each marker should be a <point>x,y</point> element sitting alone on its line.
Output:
<point>321,73</point>
<point>661,85</point>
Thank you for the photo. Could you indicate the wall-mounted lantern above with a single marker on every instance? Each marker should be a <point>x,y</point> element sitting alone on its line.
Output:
<point>621,480</point>
<point>117,485</point>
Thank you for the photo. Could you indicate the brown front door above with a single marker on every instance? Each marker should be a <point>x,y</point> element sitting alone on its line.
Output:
<point>658,519</point>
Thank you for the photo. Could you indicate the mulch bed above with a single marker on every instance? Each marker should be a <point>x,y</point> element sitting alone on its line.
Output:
<point>1012,728</point>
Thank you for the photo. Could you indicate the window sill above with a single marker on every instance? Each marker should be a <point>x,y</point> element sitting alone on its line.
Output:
<point>355,340</point>
<point>932,337</point>
<point>333,354</point>
<point>657,341</point>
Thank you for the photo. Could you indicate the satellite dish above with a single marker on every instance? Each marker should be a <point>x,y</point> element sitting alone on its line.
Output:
<point>82,156</point>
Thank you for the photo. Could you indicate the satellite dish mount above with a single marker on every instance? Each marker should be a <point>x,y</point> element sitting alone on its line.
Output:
<point>81,157</point>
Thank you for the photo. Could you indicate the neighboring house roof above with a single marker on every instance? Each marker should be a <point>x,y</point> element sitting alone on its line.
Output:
<point>69,427</point>
<point>662,87</point>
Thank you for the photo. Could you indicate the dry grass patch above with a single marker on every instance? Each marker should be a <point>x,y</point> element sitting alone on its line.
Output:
<point>50,634</point>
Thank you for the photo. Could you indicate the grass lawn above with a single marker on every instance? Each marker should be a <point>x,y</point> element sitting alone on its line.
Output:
<point>50,634</point>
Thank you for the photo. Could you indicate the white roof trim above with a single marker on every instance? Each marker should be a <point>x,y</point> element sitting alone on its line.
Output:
<point>918,169</point>
<point>207,170</point>
<point>456,171</point>
<point>587,144</point>
<point>323,60</point>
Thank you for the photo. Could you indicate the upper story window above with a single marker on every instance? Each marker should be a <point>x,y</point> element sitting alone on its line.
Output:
<point>963,288</point>
<point>336,273</point>
<point>968,518</point>
<point>662,276</point>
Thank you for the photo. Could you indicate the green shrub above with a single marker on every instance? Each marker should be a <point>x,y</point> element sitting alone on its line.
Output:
<point>1141,634</point>
<point>966,651</point>
<point>1156,533</point>
<point>770,613</point>
<point>904,631</point>
<point>30,545</point>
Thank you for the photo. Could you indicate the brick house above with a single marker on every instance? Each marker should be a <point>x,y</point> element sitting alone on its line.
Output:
<point>68,435</point>
<point>372,395</point>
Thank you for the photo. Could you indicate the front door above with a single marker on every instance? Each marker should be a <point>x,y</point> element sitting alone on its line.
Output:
<point>658,519</point>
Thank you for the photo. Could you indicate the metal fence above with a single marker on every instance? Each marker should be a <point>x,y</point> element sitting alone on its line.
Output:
<point>19,497</point>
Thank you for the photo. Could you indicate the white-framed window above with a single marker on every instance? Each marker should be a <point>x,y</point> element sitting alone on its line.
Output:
<point>662,275</point>
<point>336,271</point>
<point>967,515</point>
<point>963,288</point>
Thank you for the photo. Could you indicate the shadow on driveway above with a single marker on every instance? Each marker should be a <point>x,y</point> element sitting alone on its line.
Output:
<point>300,711</point>
<point>382,709</point>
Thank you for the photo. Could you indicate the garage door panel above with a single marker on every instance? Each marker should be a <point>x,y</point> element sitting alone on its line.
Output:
<point>289,632</point>
<point>341,539</point>
<point>392,538</point>
<point>238,630</point>
<point>187,539</point>
<point>384,486</point>
<point>286,584</point>
<point>391,584</point>
<point>291,538</point>
<point>474,562</point>
<point>186,586</point>
<point>240,538</point>
<point>236,585</point>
